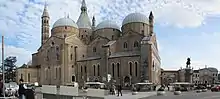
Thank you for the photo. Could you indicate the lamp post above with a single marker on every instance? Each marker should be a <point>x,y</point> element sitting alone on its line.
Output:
<point>3,66</point>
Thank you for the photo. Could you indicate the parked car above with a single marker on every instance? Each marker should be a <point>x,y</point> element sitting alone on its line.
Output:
<point>215,88</point>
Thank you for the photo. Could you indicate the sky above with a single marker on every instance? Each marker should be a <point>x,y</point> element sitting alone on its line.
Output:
<point>184,28</point>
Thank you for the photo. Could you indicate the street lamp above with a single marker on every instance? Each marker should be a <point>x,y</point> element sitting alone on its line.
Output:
<point>3,66</point>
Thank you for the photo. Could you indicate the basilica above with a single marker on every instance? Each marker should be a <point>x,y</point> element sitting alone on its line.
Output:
<point>82,51</point>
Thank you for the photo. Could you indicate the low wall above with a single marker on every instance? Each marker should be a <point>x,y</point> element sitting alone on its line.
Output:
<point>67,92</point>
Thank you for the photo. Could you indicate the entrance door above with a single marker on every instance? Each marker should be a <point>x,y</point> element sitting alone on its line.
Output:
<point>127,81</point>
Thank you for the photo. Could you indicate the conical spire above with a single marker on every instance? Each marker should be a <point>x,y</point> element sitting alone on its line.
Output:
<point>83,6</point>
<point>83,20</point>
<point>93,21</point>
<point>151,16</point>
<point>45,12</point>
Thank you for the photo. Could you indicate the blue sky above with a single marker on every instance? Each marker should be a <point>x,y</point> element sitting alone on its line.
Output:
<point>184,28</point>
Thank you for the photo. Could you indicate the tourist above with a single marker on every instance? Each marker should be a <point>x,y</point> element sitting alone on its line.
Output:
<point>114,91</point>
<point>21,90</point>
<point>119,89</point>
<point>1,88</point>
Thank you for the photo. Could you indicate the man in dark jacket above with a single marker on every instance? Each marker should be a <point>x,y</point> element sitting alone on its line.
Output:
<point>119,89</point>
<point>21,90</point>
<point>1,88</point>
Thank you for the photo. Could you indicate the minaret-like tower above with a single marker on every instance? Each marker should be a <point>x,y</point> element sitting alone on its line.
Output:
<point>84,24</point>
<point>45,27</point>
<point>151,23</point>
<point>93,23</point>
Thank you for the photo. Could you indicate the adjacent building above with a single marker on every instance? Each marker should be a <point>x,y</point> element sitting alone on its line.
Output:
<point>28,73</point>
<point>207,75</point>
<point>83,51</point>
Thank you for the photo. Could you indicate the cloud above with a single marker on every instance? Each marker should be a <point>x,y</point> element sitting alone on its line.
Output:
<point>22,55</point>
<point>20,19</point>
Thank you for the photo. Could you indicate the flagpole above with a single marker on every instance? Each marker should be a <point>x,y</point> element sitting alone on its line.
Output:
<point>3,67</point>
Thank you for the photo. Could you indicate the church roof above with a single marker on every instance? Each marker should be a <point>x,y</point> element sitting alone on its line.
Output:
<point>65,22</point>
<point>124,54</point>
<point>135,17</point>
<point>107,24</point>
<point>210,69</point>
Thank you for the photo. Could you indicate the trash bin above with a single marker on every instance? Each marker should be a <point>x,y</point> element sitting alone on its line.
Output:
<point>29,93</point>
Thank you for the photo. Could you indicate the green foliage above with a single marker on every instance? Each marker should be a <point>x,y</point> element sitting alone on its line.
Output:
<point>10,68</point>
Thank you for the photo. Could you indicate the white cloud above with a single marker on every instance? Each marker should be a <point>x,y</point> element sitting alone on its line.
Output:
<point>22,55</point>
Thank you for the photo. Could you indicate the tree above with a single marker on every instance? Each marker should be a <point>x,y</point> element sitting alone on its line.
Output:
<point>10,68</point>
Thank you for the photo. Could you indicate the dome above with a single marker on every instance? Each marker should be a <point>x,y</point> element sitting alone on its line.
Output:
<point>107,24</point>
<point>135,17</point>
<point>65,22</point>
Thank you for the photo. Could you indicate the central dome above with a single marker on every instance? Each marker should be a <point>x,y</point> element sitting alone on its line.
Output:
<point>107,24</point>
<point>65,22</point>
<point>135,17</point>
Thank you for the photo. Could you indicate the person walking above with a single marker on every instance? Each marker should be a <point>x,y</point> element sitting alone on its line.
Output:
<point>22,89</point>
<point>1,88</point>
<point>119,89</point>
<point>113,87</point>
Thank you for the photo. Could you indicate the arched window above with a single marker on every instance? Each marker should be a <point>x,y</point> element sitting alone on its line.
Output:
<point>85,68</point>
<point>21,76</point>
<point>81,70</point>
<point>136,44</point>
<point>98,70</point>
<point>112,37</point>
<point>56,71</point>
<point>58,56</point>
<point>29,77</point>
<point>136,68</point>
<point>94,69</point>
<point>130,68</point>
<point>125,45</point>
<point>94,49</point>
<point>153,65</point>
<point>73,78</point>
<point>113,69</point>
<point>118,69</point>
<point>71,56</point>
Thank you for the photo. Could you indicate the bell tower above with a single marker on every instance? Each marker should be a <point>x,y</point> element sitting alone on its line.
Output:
<point>151,23</point>
<point>45,27</point>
